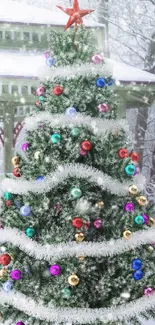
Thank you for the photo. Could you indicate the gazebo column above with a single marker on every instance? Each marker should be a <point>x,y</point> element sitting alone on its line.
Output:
<point>8,137</point>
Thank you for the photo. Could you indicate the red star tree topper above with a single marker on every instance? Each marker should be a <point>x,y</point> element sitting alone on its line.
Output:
<point>75,14</point>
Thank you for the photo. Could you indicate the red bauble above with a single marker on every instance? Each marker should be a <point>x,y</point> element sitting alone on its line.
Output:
<point>5,259</point>
<point>123,153</point>
<point>16,172</point>
<point>134,156</point>
<point>77,222</point>
<point>86,145</point>
<point>38,103</point>
<point>8,203</point>
<point>58,90</point>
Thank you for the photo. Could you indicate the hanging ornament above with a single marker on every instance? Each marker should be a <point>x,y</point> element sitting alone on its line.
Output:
<point>142,200</point>
<point>97,58</point>
<point>150,249</point>
<point>20,323</point>
<point>7,196</point>
<point>100,83</point>
<point>127,234</point>
<point>25,211</point>
<point>25,146</point>
<point>58,90</point>
<point>139,220</point>
<point>70,111</point>
<point>99,205</point>
<point>86,145</point>
<point>40,91</point>
<point>73,280</point>
<point>134,156</point>
<point>133,190</point>
<point>129,207</point>
<point>75,193</point>
<point>136,171</point>
<point>39,178</point>
<point>8,203</point>
<point>5,259</point>
<point>77,222</point>
<point>111,82</point>
<point>66,293</point>
<point>83,152</point>
<point>42,99</point>
<point>37,155</point>
<point>79,237</point>
<point>146,218</point>
<point>75,132</point>
<point>137,275</point>
<point>55,270</point>
<point>16,275</point>
<point>15,161</point>
<point>151,222</point>
<point>30,232</point>
<point>136,264</point>
<point>75,14</point>
<point>3,274</point>
<point>104,107</point>
<point>56,138</point>
<point>38,103</point>
<point>123,153</point>
<point>98,223</point>
<point>148,291</point>
<point>81,258</point>
<point>130,169</point>
<point>50,61</point>
<point>47,54</point>
<point>125,295</point>
<point>7,286</point>
<point>16,172</point>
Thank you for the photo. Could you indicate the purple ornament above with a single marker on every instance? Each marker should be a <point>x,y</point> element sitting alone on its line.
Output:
<point>20,323</point>
<point>153,244</point>
<point>103,107</point>
<point>55,269</point>
<point>136,171</point>
<point>98,223</point>
<point>25,146</point>
<point>16,275</point>
<point>47,54</point>
<point>129,207</point>
<point>146,218</point>
<point>148,291</point>
<point>83,152</point>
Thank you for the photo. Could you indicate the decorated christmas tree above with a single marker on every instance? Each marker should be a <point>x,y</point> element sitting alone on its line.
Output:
<point>76,230</point>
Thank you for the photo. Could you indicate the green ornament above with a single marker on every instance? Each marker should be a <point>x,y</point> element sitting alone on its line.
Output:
<point>75,132</point>
<point>30,232</point>
<point>75,193</point>
<point>56,138</point>
<point>66,293</point>
<point>7,196</point>
<point>139,220</point>
<point>42,99</point>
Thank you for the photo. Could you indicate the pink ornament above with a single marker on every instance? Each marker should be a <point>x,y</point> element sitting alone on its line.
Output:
<point>47,54</point>
<point>16,275</point>
<point>103,107</point>
<point>98,223</point>
<point>97,58</point>
<point>55,269</point>
<point>146,218</point>
<point>25,146</point>
<point>40,91</point>
<point>83,152</point>
<point>148,291</point>
<point>153,244</point>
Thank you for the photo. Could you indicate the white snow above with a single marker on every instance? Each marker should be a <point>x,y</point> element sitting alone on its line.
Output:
<point>27,65</point>
<point>22,13</point>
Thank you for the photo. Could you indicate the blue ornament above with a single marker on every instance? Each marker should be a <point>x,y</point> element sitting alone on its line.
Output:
<point>100,82</point>
<point>136,264</point>
<point>70,111</point>
<point>111,82</point>
<point>40,178</point>
<point>56,138</point>
<point>137,275</point>
<point>7,286</point>
<point>50,61</point>
<point>18,204</point>
<point>25,211</point>
<point>130,170</point>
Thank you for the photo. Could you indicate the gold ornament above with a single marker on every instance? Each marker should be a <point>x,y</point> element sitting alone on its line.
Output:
<point>150,249</point>
<point>151,222</point>
<point>142,200</point>
<point>37,155</point>
<point>12,256</point>
<point>81,258</point>
<point>127,234</point>
<point>133,190</point>
<point>15,161</point>
<point>99,204</point>
<point>79,237</point>
<point>73,280</point>
<point>3,273</point>
<point>1,316</point>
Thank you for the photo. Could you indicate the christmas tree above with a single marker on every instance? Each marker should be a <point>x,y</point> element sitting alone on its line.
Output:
<point>76,230</point>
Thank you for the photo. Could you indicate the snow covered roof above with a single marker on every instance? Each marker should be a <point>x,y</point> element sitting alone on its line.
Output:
<point>22,65</point>
<point>13,12</point>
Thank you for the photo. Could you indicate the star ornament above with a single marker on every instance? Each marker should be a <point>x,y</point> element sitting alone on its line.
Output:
<point>75,14</point>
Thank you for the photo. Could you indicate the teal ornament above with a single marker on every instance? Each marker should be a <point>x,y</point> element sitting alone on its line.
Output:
<point>66,293</point>
<point>139,220</point>
<point>56,138</point>
<point>100,82</point>
<point>7,196</point>
<point>7,286</point>
<point>130,170</point>
<point>42,99</point>
<point>75,193</point>
<point>111,82</point>
<point>75,132</point>
<point>137,275</point>
<point>30,232</point>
